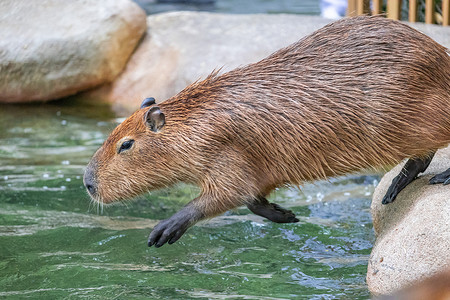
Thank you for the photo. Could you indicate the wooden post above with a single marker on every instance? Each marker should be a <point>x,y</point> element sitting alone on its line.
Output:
<point>362,7</point>
<point>351,8</point>
<point>429,11</point>
<point>394,9</point>
<point>412,11</point>
<point>366,8</point>
<point>377,7</point>
<point>446,12</point>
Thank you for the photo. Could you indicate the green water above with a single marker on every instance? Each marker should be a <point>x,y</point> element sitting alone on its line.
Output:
<point>55,244</point>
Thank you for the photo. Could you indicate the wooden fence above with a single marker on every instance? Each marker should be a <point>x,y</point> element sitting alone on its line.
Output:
<point>393,10</point>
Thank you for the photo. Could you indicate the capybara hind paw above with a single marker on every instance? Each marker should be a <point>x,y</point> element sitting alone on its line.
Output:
<point>443,177</point>
<point>408,173</point>
<point>272,211</point>
<point>170,230</point>
<point>282,215</point>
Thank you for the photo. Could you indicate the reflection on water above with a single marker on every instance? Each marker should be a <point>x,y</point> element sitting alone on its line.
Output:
<point>54,243</point>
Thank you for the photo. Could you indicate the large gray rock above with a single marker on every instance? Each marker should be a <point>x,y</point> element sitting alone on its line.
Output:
<point>413,232</point>
<point>54,48</point>
<point>182,47</point>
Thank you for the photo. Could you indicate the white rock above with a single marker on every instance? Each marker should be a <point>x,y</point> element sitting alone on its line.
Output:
<point>413,232</point>
<point>54,48</point>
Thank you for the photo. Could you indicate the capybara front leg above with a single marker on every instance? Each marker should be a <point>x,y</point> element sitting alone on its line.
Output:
<point>408,173</point>
<point>443,177</point>
<point>171,229</point>
<point>272,211</point>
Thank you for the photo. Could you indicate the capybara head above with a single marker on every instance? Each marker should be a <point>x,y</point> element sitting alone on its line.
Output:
<point>125,165</point>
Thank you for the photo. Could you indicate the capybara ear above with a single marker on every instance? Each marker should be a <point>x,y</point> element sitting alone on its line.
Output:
<point>147,102</point>
<point>155,119</point>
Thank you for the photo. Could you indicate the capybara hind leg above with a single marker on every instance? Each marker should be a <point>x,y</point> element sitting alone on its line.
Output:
<point>171,229</point>
<point>443,177</point>
<point>272,211</point>
<point>409,172</point>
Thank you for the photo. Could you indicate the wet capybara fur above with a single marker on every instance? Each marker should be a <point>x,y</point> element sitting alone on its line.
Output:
<point>360,93</point>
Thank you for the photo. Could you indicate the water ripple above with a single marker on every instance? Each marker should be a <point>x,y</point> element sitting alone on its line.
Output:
<point>50,220</point>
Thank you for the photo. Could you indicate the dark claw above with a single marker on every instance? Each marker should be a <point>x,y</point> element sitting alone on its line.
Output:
<point>272,211</point>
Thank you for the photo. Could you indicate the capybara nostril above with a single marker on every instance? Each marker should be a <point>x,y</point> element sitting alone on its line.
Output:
<point>89,182</point>
<point>90,188</point>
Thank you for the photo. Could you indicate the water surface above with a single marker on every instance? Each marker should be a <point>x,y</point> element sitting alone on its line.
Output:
<point>54,243</point>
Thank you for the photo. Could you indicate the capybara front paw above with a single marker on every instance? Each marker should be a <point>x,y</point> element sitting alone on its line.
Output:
<point>170,230</point>
<point>443,177</point>
<point>167,231</point>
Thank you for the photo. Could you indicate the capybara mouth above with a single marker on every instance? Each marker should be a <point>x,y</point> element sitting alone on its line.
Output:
<point>108,197</point>
<point>97,199</point>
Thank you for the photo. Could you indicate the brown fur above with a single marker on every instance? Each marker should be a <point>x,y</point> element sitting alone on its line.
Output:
<point>359,93</point>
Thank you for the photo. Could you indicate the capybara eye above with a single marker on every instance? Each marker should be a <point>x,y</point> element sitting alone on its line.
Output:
<point>126,145</point>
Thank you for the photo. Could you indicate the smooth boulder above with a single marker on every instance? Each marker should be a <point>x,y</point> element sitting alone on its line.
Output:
<point>412,233</point>
<point>54,48</point>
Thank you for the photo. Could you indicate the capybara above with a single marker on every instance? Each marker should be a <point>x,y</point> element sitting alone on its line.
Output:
<point>360,93</point>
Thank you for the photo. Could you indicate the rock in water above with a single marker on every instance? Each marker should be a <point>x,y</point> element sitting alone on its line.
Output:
<point>54,48</point>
